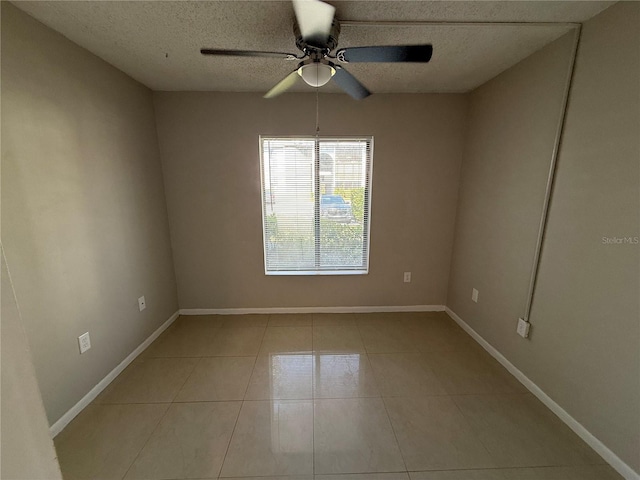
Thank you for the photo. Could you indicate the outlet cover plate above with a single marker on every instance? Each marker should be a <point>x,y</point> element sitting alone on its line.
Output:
<point>523,328</point>
<point>407,277</point>
<point>84,342</point>
<point>142,304</point>
<point>474,295</point>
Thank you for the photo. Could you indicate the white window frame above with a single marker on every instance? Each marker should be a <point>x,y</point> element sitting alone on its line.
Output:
<point>368,202</point>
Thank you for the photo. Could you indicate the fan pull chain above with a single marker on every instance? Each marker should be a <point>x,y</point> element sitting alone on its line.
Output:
<point>317,113</point>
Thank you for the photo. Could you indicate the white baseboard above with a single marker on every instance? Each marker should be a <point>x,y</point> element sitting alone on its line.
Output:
<point>63,421</point>
<point>273,310</point>
<point>611,458</point>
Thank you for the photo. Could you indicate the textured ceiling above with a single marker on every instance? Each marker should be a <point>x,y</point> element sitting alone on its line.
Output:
<point>158,42</point>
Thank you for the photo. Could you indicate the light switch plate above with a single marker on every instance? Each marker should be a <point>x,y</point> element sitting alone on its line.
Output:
<point>142,304</point>
<point>474,295</point>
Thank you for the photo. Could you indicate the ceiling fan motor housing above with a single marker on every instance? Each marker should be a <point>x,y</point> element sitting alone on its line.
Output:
<point>311,45</point>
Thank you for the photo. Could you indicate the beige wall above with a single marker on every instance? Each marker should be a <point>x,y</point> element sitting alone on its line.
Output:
<point>84,222</point>
<point>584,349</point>
<point>513,120</point>
<point>26,448</point>
<point>210,154</point>
<point>586,309</point>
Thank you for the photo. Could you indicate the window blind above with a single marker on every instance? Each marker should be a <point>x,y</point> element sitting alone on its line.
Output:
<point>316,199</point>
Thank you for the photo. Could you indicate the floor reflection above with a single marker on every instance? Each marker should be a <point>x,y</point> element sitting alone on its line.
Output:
<point>321,375</point>
<point>291,425</point>
<point>333,370</point>
<point>287,373</point>
<point>330,371</point>
<point>333,374</point>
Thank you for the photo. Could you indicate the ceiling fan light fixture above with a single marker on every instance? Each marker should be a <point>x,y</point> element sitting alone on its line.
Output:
<point>316,74</point>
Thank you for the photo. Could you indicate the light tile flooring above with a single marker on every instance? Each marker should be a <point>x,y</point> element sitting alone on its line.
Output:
<point>402,396</point>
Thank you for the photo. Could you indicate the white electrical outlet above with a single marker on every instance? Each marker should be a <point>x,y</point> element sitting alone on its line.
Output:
<point>84,342</point>
<point>474,295</point>
<point>142,304</point>
<point>523,328</point>
<point>407,277</point>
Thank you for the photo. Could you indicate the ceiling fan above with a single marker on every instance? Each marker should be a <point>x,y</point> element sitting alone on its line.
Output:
<point>316,31</point>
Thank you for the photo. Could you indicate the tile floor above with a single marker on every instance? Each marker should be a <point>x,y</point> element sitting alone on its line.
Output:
<point>399,396</point>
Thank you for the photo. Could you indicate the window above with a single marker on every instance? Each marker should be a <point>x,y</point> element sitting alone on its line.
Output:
<point>316,196</point>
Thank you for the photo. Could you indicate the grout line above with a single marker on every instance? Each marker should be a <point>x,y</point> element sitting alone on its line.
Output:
<point>164,356</point>
<point>243,401</point>
<point>148,438</point>
<point>300,310</point>
<point>366,354</point>
<point>504,468</point>
<point>224,458</point>
<point>255,362</point>
<point>359,474</point>
<point>227,400</point>
<point>212,356</point>
<point>386,410</point>
<point>308,399</point>
<point>313,402</point>
<point>187,379</point>
<point>478,437</point>
<point>165,413</point>
<point>395,435</point>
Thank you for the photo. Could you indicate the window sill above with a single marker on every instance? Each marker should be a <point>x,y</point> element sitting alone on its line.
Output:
<point>306,273</point>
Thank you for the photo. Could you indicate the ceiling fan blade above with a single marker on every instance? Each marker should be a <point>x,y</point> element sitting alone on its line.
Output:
<point>350,84</point>
<point>392,53</point>
<point>247,53</point>
<point>285,84</point>
<point>314,19</point>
